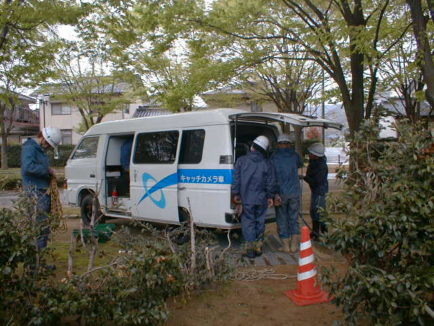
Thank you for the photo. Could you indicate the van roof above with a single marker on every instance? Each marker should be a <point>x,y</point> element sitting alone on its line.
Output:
<point>204,118</point>
<point>184,119</point>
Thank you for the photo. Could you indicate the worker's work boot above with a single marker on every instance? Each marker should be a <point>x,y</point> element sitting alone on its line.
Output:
<point>295,240</point>
<point>314,235</point>
<point>258,247</point>
<point>250,250</point>
<point>285,245</point>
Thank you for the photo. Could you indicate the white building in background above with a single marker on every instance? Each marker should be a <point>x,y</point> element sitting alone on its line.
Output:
<point>56,112</point>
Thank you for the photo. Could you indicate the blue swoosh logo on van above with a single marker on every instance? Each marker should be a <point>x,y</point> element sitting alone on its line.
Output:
<point>163,183</point>
<point>197,176</point>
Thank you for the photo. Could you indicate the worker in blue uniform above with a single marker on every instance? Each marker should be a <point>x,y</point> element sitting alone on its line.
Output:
<point>36,175</point>
<point>254,187</point>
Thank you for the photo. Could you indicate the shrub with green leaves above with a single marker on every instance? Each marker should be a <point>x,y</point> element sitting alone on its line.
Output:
<point>22,268</point>
<point>386,230</point>
<point>14,155</point>
<point>130,290</point>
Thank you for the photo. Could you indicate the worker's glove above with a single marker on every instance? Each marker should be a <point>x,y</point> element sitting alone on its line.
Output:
<point>236,199</point>
<point>277,200</point>
<point>238,209</point>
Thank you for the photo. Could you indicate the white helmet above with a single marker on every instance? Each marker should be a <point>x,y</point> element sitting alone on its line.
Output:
<point>262,142</point>
<point>53,136</point>
<point>285,138</point>
<point>317,149</point>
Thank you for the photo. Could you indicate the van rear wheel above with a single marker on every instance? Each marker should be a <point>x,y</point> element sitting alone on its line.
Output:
<point>86,210</point>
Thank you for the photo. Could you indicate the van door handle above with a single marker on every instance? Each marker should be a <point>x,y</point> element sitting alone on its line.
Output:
<point>181,188</point>
<point>92,176</point>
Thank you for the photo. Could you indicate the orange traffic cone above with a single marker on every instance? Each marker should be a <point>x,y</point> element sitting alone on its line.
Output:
<point>308,290</point>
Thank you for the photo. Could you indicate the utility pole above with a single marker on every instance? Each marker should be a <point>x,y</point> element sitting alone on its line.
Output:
<point>43,101</point>
<point>323,107</point>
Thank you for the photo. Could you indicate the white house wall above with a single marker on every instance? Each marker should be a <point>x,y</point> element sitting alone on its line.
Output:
<point>72,121</point>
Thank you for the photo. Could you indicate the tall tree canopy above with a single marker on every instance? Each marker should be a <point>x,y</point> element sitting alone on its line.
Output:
<point>27,47</point>
<point>349,39</point>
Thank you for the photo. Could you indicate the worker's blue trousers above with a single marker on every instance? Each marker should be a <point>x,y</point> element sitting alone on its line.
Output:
<point>253,222</point>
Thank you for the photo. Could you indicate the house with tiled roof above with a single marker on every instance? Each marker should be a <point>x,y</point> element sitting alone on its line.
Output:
<point>23,121</point>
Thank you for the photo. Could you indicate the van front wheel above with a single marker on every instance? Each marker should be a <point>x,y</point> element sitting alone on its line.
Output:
<point>86,210</point>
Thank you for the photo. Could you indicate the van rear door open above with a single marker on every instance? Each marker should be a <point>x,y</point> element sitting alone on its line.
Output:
<point>289,118</point>
<point>153,176</point>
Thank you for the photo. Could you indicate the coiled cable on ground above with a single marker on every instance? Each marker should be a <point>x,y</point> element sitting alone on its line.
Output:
<point>261,274</point>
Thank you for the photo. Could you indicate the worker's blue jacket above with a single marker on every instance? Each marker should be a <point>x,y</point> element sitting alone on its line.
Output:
<point>34,166</point>
<point>126,154</point>
<point>316,176</point>
<point>253,179</point>
<point>286,162</point>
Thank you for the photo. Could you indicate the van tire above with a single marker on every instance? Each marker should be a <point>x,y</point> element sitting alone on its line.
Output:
<point>86,210</point>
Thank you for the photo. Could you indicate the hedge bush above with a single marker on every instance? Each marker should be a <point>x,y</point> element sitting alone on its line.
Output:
<point>13,182</point>
<point>14,155</point>
<point>387,230</point>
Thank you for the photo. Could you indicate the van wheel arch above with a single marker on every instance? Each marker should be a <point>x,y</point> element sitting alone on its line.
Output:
<point>183,215</point>
<point>86,208</point>
<point>184,219</point>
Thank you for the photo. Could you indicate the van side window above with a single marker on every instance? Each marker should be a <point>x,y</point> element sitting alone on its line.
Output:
<point>156,147</point>
<point>191,146</point>
<point>87,148</point>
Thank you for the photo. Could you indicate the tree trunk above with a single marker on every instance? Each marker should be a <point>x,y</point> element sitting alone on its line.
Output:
<point>425,58</point>
<point>4,151</point>
<point>4,138</point>
<point>298,140</point>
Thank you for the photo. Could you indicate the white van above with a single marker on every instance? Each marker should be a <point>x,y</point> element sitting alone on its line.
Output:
<point>180,166</point>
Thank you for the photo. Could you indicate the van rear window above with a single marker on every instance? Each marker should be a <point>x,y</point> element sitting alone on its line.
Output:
<point>87,148</point>
<point>156,147</point>
<point>192,146</point>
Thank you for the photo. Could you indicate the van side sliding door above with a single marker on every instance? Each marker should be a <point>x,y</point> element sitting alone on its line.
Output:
<point>154,177</point>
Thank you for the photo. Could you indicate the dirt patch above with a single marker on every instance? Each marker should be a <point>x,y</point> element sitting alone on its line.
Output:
<point>261,302</point>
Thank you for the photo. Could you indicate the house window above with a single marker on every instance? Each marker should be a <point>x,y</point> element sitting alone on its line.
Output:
<point>156,147</point>
<point>60,109</point>
<point>192,146</point>
<point>66,136</point>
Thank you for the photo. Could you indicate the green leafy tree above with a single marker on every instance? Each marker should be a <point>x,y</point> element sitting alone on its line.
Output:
<point>88,83</point>
<point>401,75</point>
<point>284,75</point>
<point>155,41</point>
<point>349,39</point>
<point>423,32</point>
<point>27,47</point>
<point>385,229</point>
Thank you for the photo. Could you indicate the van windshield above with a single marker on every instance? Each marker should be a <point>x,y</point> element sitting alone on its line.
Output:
<point>87,148</point>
